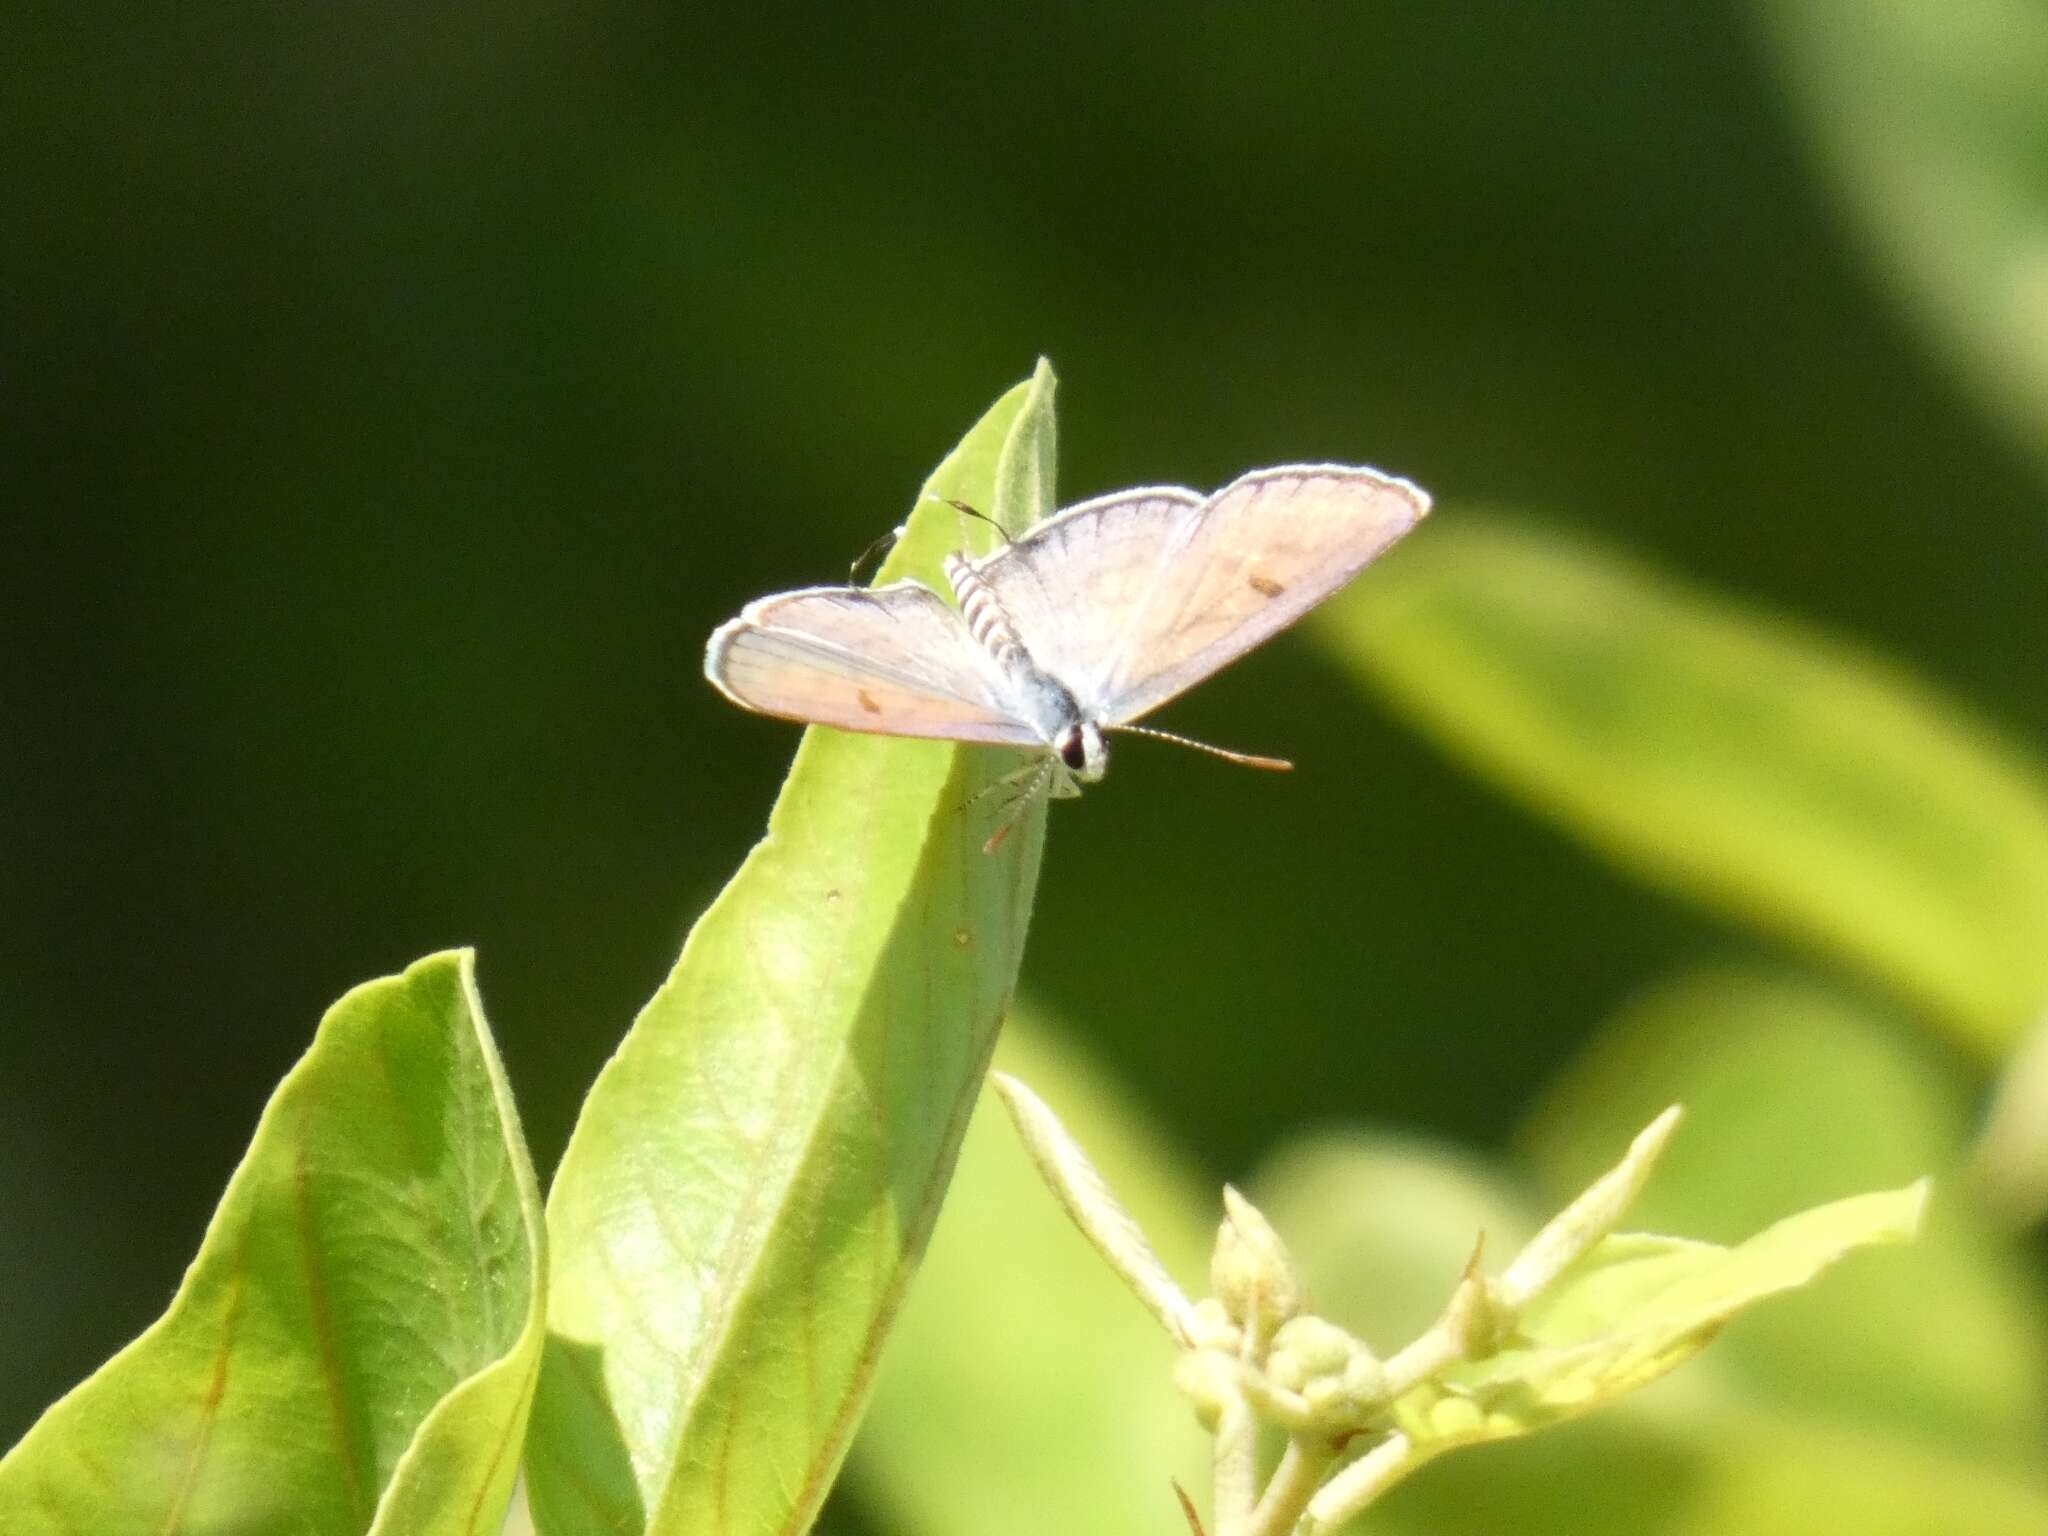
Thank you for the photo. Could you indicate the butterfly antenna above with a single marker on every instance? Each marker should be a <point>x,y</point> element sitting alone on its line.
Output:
<point>972,511</point>
<point>1242,759</point>
<point>1187,1507</point>
<point>871,558</point>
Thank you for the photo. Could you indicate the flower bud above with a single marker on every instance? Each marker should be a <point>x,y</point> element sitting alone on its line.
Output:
<point>1365,1380</point>
<point>1251,1272</point>
<point>1210,1327</point>
<point>1207,1380</point>
<point>1307,1347</point>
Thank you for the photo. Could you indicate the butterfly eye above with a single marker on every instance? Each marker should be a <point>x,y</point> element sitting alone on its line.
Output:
<point>1072,749</point>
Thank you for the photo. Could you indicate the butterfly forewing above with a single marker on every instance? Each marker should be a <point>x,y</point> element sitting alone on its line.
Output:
<point>1071,586</point>
<point>1248,562</point>
<point>894,661</point>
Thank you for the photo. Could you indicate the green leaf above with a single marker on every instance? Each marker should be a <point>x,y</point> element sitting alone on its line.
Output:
<point>2011,1164</point>
<point>1719,1469</point>
<point>1777,1477</point>
<point>355,1347</point>
<point>1934,119</point>
<point>1636,1307</point>
<point>757,1169</point>
<point>1026,1390</point>
<point>1730,756</point>
<point>1794,1094</point>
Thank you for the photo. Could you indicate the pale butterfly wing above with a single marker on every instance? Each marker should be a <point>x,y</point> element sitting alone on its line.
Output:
<point>1071,584</point>
<point>893,661</point>
<point>1197,582</point>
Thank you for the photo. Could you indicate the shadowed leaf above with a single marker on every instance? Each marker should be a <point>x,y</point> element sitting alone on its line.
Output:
<point>1731,756</point>
<point>1026,1389</point>
<point>1934,119</point>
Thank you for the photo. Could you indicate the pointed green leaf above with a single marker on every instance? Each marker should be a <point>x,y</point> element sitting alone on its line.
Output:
<point>1934,119</point>
<point>1026,1389</point>
<point>1795,1093</point>
<point>355,1347</point>
<point>1072,1178</point>
<point>1636,1307</point>
<point>1733,757</point>
<point>755,1173</point>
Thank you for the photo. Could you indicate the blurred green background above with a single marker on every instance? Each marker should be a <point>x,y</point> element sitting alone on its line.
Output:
<point>393,397</point>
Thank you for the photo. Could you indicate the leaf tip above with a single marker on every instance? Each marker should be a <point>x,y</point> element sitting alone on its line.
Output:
<point>1651,1140</point>
<point>1017,1099</point>
<point>1913,1208</point>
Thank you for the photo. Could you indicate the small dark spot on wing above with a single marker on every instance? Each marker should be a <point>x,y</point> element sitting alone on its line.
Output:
<point>1264,584</point>
<point>867,701</point>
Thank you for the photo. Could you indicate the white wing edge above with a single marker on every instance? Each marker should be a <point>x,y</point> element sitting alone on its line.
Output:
<point>1365,472</point>
<point>1380,479</point>
<point>998,729</point>
<point>749,617</point>
<point>1179,493</point>
<point>714,657</point>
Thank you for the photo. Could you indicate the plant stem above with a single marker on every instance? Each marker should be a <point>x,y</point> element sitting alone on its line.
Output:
<point>1237,1468</point>
<point>1294,1483</point>
<point>1344,1495</point>
<point>1433,1352</point>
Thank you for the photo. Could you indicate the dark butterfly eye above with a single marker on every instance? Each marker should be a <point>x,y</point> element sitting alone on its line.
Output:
<point>1072,751</point>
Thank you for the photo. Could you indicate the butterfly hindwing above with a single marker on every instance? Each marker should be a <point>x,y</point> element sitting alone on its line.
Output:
<point>1247,563</point>
<point>891,661</point>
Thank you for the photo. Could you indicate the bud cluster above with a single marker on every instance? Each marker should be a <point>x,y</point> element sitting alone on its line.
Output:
<point>1253,1353</point>
<point>1254,1341</point>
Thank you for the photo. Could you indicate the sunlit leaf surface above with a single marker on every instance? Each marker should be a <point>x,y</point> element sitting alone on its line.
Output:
<point>1636,1307</point>
<point>755,1173</point>
<point>355,1347</point>
<point>1796,1093</point>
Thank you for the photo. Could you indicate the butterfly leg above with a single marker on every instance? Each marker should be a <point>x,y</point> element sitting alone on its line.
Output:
<point>1024,786</point>
<point>1010,783</point>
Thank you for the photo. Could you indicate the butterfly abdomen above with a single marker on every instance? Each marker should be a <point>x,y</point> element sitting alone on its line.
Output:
<point>983,611</point>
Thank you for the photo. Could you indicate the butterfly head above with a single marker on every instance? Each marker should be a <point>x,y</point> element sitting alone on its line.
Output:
<point>1083,751</point>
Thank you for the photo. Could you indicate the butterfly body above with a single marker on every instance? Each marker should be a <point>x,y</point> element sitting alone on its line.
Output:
<point>1079,626</point>
<point>1072,739</point>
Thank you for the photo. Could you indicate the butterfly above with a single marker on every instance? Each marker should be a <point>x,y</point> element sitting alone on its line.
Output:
<point>1082,625</point>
